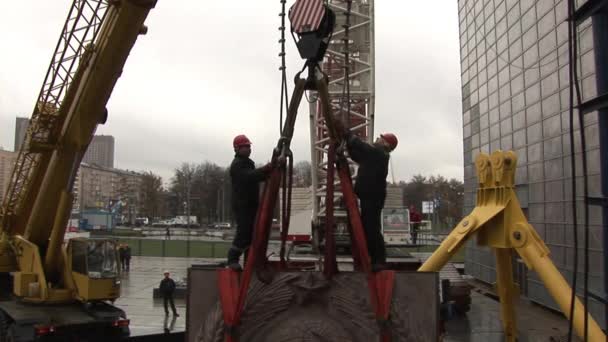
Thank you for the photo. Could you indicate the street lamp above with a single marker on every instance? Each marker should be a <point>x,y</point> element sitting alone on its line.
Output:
<point>187,205</point>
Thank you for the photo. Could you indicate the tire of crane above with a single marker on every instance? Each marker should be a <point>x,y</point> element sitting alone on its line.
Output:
<point>6,328</point>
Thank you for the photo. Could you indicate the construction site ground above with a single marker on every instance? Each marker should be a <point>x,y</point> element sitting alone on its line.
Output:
<point>482,323</point>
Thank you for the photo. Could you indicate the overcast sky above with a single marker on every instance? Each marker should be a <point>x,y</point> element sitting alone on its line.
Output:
<point>208,70</point>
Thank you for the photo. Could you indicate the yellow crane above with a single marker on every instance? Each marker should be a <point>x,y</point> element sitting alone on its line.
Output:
<point>72,283</point>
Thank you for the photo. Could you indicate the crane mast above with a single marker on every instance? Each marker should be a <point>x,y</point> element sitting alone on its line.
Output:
<point>361,68</point>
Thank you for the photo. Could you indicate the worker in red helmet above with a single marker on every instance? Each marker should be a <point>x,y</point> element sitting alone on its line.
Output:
<point>370,187</point>
<point>245,197</point>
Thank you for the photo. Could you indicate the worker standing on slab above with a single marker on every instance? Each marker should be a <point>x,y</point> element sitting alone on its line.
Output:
<point>245,197</point>
<point>166,289</point>
<point>370,187</point>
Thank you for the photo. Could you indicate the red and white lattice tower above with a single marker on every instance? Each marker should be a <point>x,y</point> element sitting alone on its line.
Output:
<point>362,91</point>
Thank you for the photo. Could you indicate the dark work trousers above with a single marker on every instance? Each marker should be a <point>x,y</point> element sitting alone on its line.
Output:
<point>415,233</point>
<point>245,221</point>
<point>371,210</point>
<point>170,300</point>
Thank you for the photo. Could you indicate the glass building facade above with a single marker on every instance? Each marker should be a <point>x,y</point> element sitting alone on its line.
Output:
<point>514,64</point>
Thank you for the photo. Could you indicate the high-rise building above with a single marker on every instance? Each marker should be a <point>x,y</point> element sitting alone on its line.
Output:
<point>515,96</point>
<point>7,161</point>
<point>100,151</point>
<point>21,125</point>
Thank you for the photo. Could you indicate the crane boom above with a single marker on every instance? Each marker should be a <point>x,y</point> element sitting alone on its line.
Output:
<point>80,30</point>
<point>84,109</point>
<point>92,50</point>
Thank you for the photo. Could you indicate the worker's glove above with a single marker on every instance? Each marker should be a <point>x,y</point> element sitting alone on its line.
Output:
<point>341,130</point>
<point>267,168</point>
<point>341,148</point>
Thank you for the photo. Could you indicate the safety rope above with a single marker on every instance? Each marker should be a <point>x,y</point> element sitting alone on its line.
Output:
<point>575,94</point>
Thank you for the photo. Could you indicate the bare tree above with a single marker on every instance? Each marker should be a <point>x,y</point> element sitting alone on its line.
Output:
<point>201,190</point>
<point>181,188</point>
<point>446,195</point>
<point>152,195</point>
<point>302,174</point>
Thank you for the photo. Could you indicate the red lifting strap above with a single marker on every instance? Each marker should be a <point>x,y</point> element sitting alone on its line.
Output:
<point>287,180</point>
<point>330,265</point>
<point>359,244</point>
<point>381,292</point>
<point>228,284</point>
<point>232,294</point>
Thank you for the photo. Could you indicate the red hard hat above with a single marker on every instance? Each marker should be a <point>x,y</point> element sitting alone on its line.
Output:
<point>240,140</point>
<point>391,139</point>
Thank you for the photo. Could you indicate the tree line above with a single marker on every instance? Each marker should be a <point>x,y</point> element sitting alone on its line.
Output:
<point>204,190</point>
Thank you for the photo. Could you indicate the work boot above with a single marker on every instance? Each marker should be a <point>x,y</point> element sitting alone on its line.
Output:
<point>235,266</point>
<point>377,267</point>
<point>234,253</point>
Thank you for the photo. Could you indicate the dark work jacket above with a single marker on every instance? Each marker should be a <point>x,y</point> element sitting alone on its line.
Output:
<point>373,168</point>
<point>167,286</point>
<point>128,253</point>
<point>245,184</point>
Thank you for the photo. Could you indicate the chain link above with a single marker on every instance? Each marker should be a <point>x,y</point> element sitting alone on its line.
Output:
<point>346,51</point>
<point>283,68</point>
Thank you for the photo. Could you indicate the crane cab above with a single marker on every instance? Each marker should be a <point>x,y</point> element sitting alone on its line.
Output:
<point>94,268</point>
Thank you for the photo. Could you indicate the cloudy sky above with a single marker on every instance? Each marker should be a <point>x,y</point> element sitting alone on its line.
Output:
<point>208,70</point>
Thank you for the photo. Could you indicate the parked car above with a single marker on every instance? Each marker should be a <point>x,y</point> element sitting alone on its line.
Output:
<point>222,225</point>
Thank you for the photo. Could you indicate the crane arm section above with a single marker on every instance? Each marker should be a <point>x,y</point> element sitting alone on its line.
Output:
<point>81,27</point>
<point>84,107</point>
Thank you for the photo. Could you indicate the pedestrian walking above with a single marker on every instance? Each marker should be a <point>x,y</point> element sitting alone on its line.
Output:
<point>167,288</point>
<point>121,256</point>
<point>127,257</point>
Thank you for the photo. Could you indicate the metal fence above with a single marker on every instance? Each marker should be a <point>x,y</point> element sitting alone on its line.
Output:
<point>177,248</point>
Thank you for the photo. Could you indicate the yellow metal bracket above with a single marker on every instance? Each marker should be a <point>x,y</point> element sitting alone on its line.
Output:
<point>500,224</point>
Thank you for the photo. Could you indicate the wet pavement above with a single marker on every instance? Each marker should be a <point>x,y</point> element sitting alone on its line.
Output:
<point>482,323</point>
<point>147,315</point>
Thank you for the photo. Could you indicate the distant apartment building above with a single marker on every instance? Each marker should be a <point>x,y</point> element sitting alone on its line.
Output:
<point>100,151</point>
<point>21,125</point>
<point>99,187</point>
<point>7,161</point>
